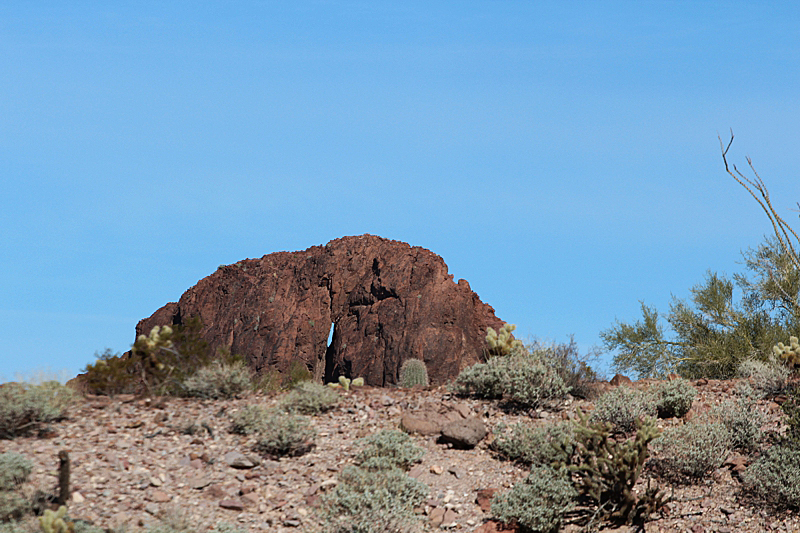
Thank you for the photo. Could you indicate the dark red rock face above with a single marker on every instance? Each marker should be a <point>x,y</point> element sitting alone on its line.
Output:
<point>387,301</point>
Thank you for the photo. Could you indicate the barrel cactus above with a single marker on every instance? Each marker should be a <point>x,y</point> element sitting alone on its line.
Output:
<point>413,372</point>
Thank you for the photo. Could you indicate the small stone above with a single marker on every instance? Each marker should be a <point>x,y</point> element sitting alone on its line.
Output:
<point>456,471</point>
<point>291,523</point>
<point>199,482</point>
<point>154,481</point>
<point>449,518</point>
<point>159,496</point>
<point>436,517</point>
<point>484,499</point>
<point>151,508</point>
<point>233,505</point>
<point>436,469</point>
<point>77,497</point>
<point>239,460</point>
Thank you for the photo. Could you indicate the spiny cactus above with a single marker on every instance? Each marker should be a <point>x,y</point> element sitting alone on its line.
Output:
<point>346,383</point>
<point>358,382</point>
<point>788,354</point>
<point>608,470</point>
<point>413,372</point>
<point>502,342</point>
<point>56,522</point>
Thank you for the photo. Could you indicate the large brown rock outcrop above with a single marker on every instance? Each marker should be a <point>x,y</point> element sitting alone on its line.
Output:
<point>387,302</point>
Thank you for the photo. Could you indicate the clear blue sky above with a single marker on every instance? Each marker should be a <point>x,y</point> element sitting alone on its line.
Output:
<point>560,156</point>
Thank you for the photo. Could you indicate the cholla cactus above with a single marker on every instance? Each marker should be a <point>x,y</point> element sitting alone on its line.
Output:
<point>358,382</point>
<point>788,354</point>
<point>413,372</point>
<point>148,347</point>
<point>56,522</point>
<point>502,342</point>
<point>344,382</point>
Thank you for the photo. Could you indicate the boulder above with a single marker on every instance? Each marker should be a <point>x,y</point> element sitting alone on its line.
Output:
<point>385,300</point>
<point>464,434</point>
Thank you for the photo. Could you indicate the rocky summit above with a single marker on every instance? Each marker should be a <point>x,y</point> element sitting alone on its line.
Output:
<point>387,302</point>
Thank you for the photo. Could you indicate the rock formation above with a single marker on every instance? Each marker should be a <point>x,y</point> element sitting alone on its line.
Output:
<point>387,302</point>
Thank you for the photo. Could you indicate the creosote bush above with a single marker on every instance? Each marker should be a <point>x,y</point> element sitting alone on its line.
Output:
<point>569,364</point>
<point>389,448</point>
<point>673,398</point>
<point>523,379</point>
<point>690,451</point>
<point>25,408</point>
<point>544,445</point>
<point>309,398</point>
<point>539,502</point>
<point>622,407</point>
<point>413,372</point>
<point>220,380</point>
<point>281,434</point>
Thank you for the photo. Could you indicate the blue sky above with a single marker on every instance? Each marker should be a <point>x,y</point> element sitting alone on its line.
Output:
<point>560,156</point>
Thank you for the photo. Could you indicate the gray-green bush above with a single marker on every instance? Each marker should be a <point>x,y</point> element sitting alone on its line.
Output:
<point>542,445</point>
<point>743,420</point>
<point>25,408</point>
<point>389,448</point>
<point>767,377</point>
<point>284,434</point>
<point>219,380</point>
<point>14,471</point>
<point>309,398</point>
<point>249,419</point>
<point>538,502</point>
<point>522,379</point>
<point>691,451</point>
<point>673,398</point>
<point>775,477</point>
<point>622,407</point>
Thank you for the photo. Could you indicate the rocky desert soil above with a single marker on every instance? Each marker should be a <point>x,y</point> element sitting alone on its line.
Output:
<point>134,459</point>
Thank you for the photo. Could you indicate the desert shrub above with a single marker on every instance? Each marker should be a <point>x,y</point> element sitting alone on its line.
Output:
<point>413,372</point>
<point>743,421</point>
<point>569,364</point>
<point>298,372</point>
<point>690,451</point>
<point>775,477</point>
<point>673,398</point>
<point>309,398</point>
<point>622,407</point>
<point>14,470</point>
<point>389,448</point>
<point>537,445</point>
<point>373,501</point>
<point>109,375</point>
<point>607,470</point>
<point>19,527</point>
<point>523,379</point>
<point>538,502</point>
<point>284,434</point>
<point>220,379</point>
<point>226,527</point>
<point>249,419</point>
<point>24,407</point>
<point>767,377</point>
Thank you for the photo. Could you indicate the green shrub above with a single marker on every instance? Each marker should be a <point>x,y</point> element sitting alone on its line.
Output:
<point>607,471</point>
<point>769,377</point>
<point>622,407</point>
<point>109,375</point>
<point>309,398</point>
<point>673,398</point>
<point>249,419</point>
<point>691,451</point>
<point>14,470</point>
<point>775,477</point>
<point>389,448</point>
<point>413,372</point>
<point>373,501</point>
<point>544,445</point>
<point>298,372</point>
<point>743,420</point>
<point>791,408</point>
<point>13,506</point>
<point>538,502</point>
<point>569,364</point>
<point>522,379</point>
<point>218,380</point>
<point>284,434</point>
<point>24,408</point>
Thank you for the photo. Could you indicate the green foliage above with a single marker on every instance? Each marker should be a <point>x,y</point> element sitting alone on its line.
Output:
<point>789,354</point>
<point>522,379</point>
<point>220,379</point>
<point>569,364</point>
<point>775,477</point>
<point>309,398</point>
<point>389,448</point>
<point>623,407</point>
<point>544,445</point>
<point>249,419</point>
<point>56,522</point>
<point>791,408</point>
<point>607,471</point>
<point>24,407</point>
<point>673,398</point>
<point>373,501</point>
<point>14,470</point>
<point>538,502</point>
<point>713,334</point>
<point>413,372</point>
<point>743,420</point>
<point>281,434</point>
<point>110,374</point>
<point>502,343</point>
<point>768,377</point>
<point>298,372</point>
<point>691,451</point>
